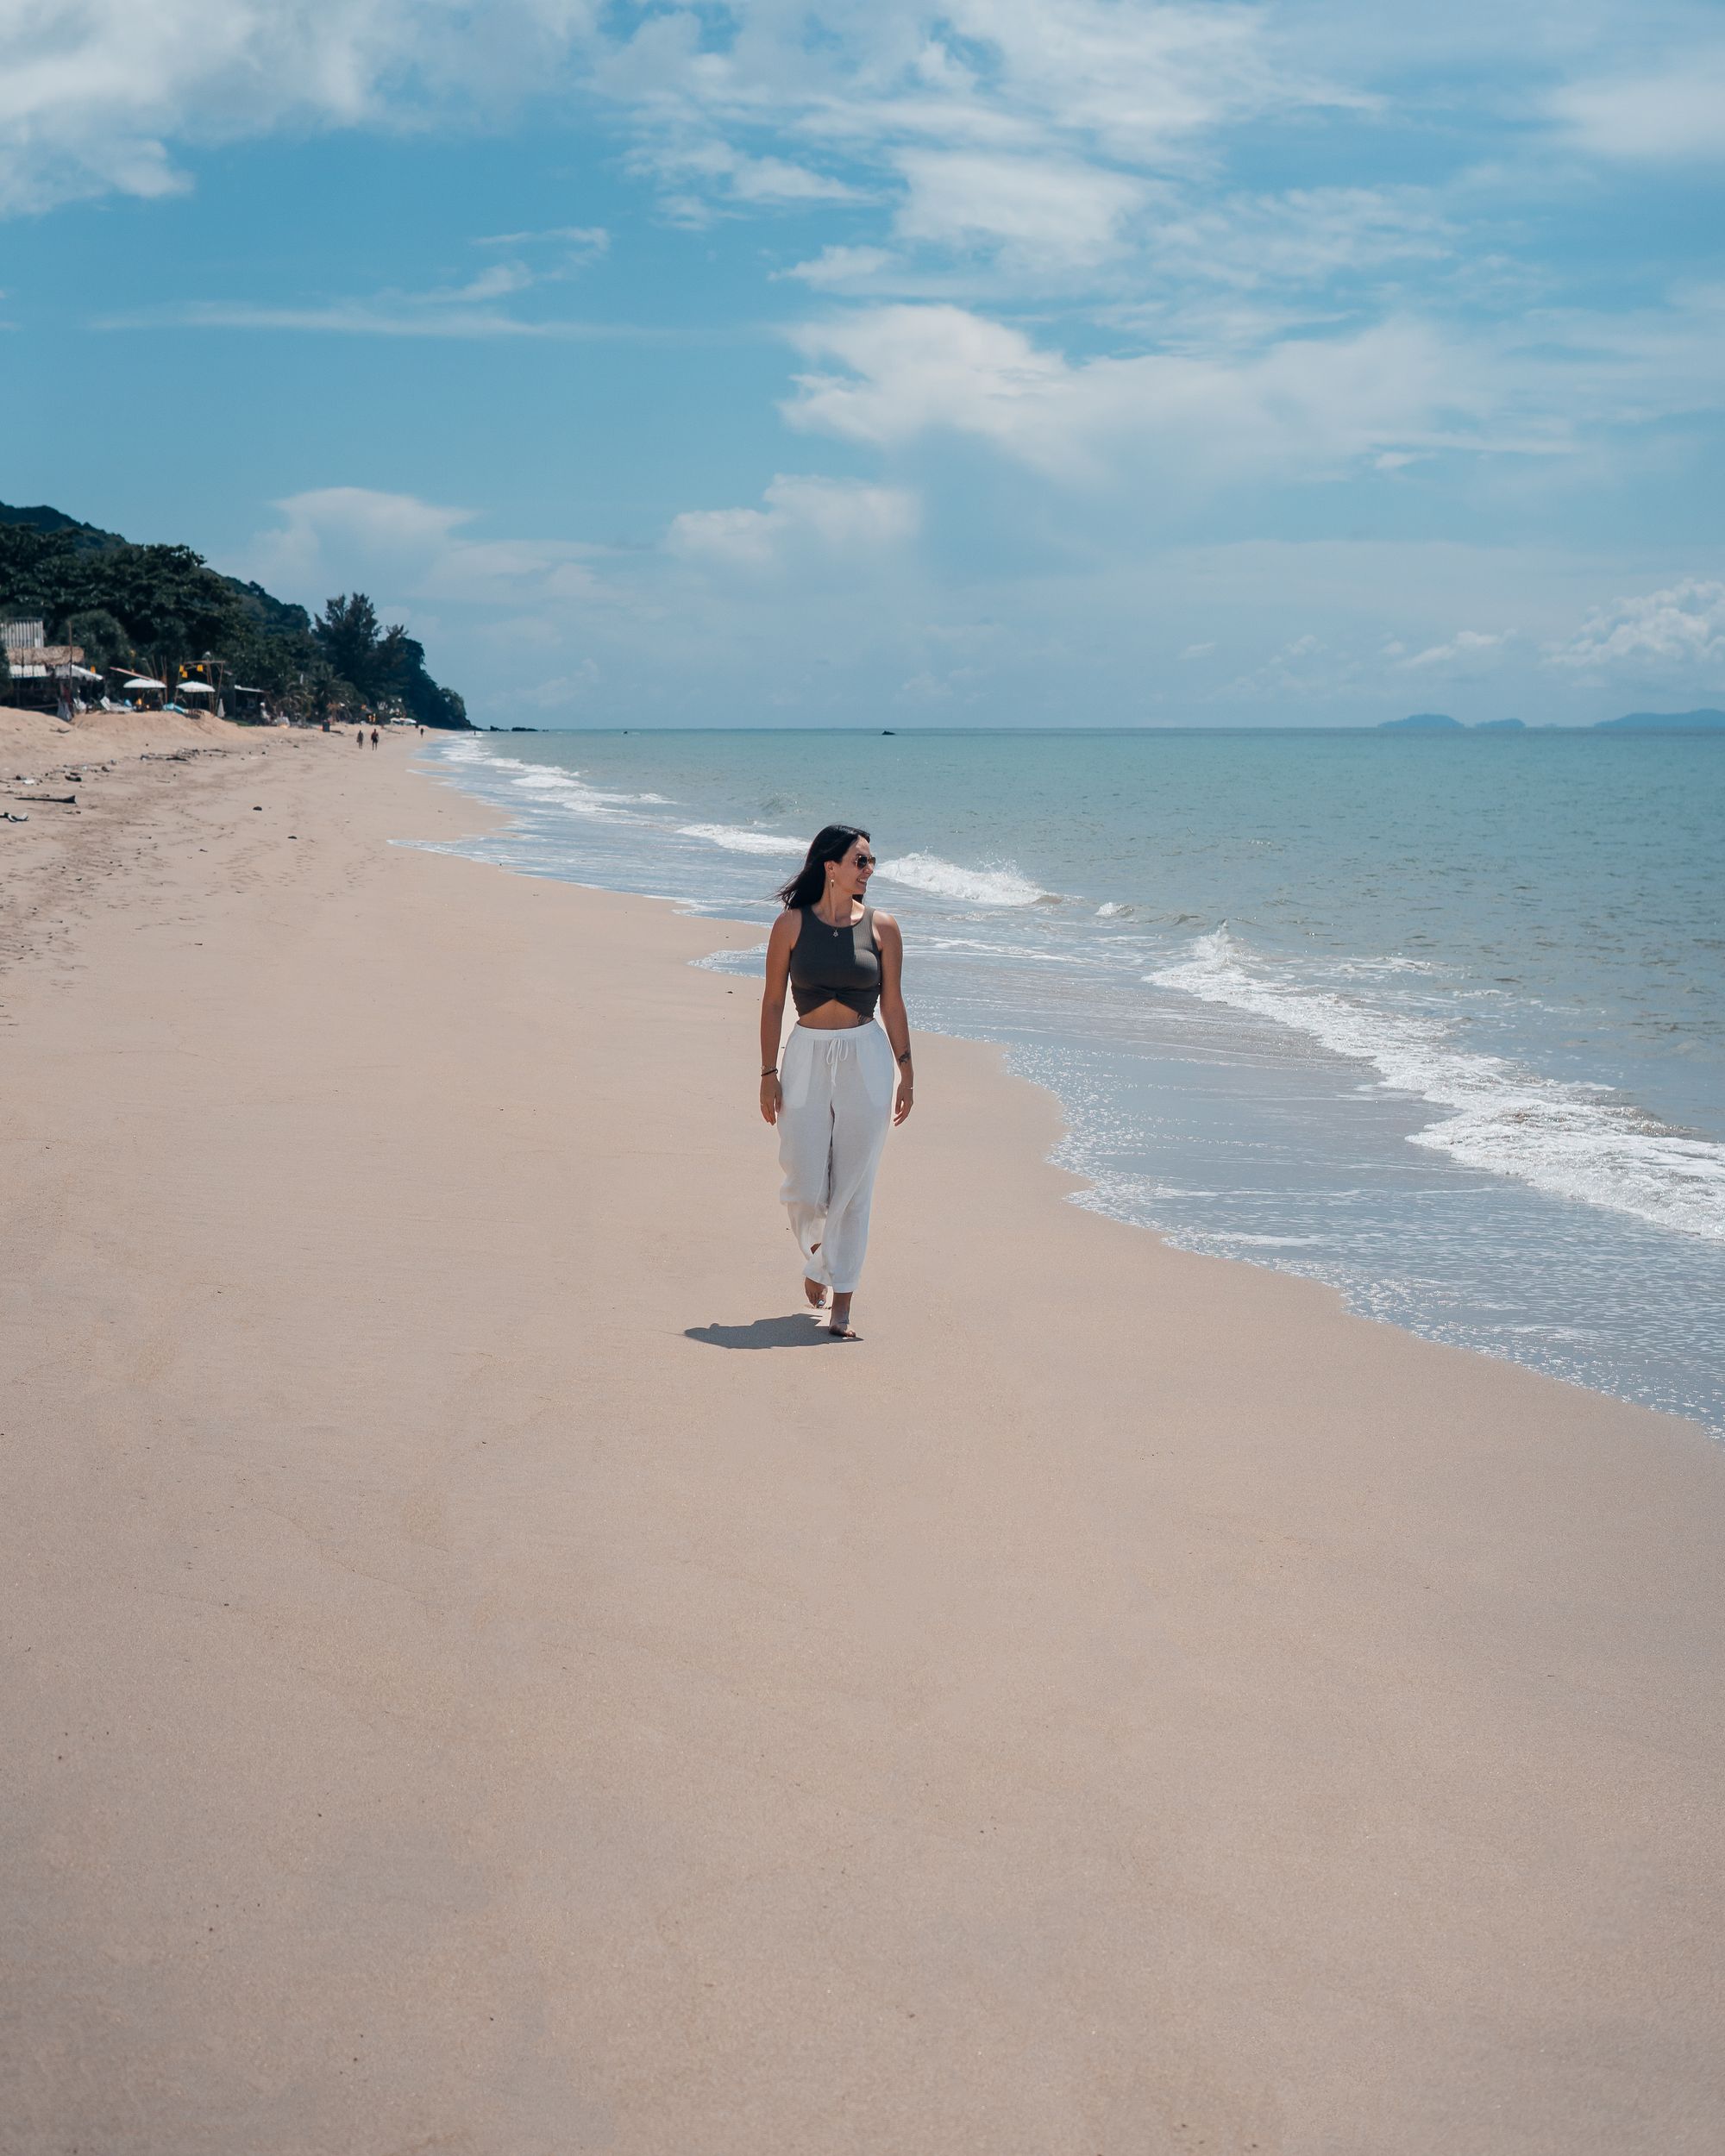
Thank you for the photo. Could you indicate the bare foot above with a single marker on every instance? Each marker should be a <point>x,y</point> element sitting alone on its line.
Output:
<point>815,1291</point>
<point>840,1324</point>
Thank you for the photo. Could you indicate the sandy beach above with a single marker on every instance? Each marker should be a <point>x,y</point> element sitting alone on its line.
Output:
<point>485,1676</point>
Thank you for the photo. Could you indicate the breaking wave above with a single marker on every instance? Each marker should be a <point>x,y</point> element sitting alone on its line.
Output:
<point>975,886</point>
<point>736,840</point>
<point>551,781</point>
<point>1573,1140</point>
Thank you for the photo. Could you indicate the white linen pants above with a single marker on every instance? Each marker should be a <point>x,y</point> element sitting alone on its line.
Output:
<point>837,1100</point>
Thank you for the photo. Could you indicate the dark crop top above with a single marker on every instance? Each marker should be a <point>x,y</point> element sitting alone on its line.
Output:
<point>836,965</point>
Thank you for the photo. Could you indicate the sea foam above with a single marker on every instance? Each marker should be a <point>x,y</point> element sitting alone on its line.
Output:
<point>737,840</point>
<point>1573,1140</point>
<point>973,887</point>
<point>563,790</point>
<point>554,781</point>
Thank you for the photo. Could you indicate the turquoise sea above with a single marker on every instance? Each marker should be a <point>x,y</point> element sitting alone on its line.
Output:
<point>1440,1020</point>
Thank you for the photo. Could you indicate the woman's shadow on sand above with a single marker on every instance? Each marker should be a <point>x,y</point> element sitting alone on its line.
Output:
<point>799,1329</point>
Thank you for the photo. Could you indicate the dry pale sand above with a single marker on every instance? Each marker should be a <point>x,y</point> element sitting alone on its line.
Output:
<point>116,731</point>
<point>482,1678</point>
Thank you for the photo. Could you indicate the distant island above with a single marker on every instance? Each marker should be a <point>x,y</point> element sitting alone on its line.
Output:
<point>159,611</point>
<point>1704,721</point>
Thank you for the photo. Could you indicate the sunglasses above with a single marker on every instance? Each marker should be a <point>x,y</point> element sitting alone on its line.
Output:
<point>863,861</point>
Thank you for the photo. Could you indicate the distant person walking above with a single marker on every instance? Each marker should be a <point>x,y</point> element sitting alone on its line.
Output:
<point>360,738</point>
<point>375,737</point>
<point>840,959</point>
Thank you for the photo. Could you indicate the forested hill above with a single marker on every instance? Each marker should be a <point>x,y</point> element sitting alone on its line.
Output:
<point>158,607</point>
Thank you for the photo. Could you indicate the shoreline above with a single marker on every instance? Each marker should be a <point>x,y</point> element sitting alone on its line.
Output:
<point>1452,1311</point>
<point>1126,1702</point>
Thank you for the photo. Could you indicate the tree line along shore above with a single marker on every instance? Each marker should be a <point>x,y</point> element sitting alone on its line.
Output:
<point>162,612</point>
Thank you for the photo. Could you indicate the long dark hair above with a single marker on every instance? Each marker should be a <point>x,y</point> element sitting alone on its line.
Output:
<point>832,842</point>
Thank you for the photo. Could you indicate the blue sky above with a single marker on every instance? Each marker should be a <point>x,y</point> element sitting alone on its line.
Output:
<point>1039,361</point>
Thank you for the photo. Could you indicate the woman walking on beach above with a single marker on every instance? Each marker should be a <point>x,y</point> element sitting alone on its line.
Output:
<point>839,958</point>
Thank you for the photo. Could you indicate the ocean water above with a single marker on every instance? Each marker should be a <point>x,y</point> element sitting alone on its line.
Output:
<point>1438,1021</point>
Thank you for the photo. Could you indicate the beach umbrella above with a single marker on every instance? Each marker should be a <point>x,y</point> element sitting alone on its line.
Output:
<point>196,688</point>
<point>143,682</point>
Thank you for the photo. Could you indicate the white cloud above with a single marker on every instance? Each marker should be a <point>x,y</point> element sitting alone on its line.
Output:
<point>721,101</point>
<point>389,315</point>
<point>1306,403</point>
<point>334,537</point>
<point>500,281</point>
<point>1628,366</point>
<point>1302,236</point>
<point>1081,95</point>
<point>773,179</point>
<point>1465,647</point>
<point>1302,405</point>
<point>839,268</point>
<point>341,523</point>
<point>1304,668</point>
<point>746,103</point>
<point>503,619</point>
<point>910,368</point>
<point>705,175</point>
<point>1042,210</point>
<point>872,621</point>
<point>1677,111</point>
<point>580,240</point>
<point>97,92</point>
<point>469,308</point>
<point>1143,81</point>
<point>838,516</point>
<point>561,256</point>
<point>420,560</point>
<point>1678,628</point>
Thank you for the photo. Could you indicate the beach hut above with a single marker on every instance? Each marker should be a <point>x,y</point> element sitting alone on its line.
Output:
<point>43,676</point>
<point>53,679</point>
<point>31,684</point>
<point>249,706</point>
